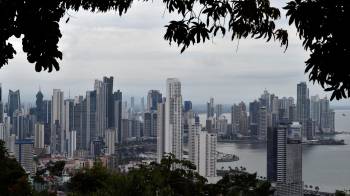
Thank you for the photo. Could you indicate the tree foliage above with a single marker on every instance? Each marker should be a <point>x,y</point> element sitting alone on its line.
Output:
<point>321,24</point>
<point>56,168</point>
<point>13,179</point>
<point>170,177</point>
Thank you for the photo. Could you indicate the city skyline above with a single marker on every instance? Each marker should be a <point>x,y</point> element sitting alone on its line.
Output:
<point>69,94</point>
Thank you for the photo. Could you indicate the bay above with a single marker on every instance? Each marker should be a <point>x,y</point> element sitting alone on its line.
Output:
<point>325,166</point>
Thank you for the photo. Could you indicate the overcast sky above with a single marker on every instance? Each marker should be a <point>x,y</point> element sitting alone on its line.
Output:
<point>132,49</point>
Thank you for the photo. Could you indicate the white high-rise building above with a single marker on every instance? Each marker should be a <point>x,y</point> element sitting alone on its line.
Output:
<point>110,141</point>
<point>72,143</point>
<point>202,149</point>
<point>160,130</point>
<point>193,141</point>
<point>57,121</point>
<point>39,135</point>
<point>173,118</point>
<point>207,154</point>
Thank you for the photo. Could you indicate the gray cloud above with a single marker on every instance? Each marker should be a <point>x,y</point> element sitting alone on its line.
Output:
<point>131,48</point>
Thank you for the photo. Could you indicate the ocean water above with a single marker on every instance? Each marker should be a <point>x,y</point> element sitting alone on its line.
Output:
<point>325,166</point>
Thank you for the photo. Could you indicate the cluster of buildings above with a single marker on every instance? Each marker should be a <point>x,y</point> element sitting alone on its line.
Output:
<point>175,119</point>
<point>97,124</point>
<point>267,112</point>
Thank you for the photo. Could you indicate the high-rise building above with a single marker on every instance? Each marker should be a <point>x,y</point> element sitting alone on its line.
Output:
<point>118,112</point>
<point>153,98</point>
<point>39,135</point>
<point>20,124</point>
<point>235,115</point>
<point>284,159</point>
<point>24,154</point>
<point>4,133</point>
<point>68,121</point>
<point>207,156</point>
<point>160,130</point>
<point>80,123</point>
<point>47,107</point>
<point>110,141</point>
<point>142,104</point>
<point>39,106</point>
<point>150,124</point>
<point>173,118</point>
<point>315,113</point>
<point>210,108</point>
<point>262,123</point>
<point>14,102</point>
<point>72,143</point>
<point>101,108</point>
<point>193,141</point>
<point>219,110</point>
<point>254,118</point>
<point>57,120</point>
<point>303,106</point>
<point>284,105</point>
<point>56,137</point>
<point>108,83</point>
<point>91,117</point>
<point>221,125</point>
<point>132,103</point>
<point>187,106</point>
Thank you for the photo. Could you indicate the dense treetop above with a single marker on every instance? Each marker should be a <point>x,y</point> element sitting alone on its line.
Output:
<point>321,24</point>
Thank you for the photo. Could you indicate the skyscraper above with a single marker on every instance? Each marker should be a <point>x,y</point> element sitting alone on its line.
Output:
<point>72,143</point>
<point>39,106</point>
<point>284,159</point>
<point>150,124</point>
<point>80,123</point>
<point>47,107</point>
<point>68,121</point>
<point>262,123</point>
<point>207,153</point>
<point>118,111</point>
<point>91,117</point>
<point>160,130</point>
<point>101,108</point>
<point>14,102</point>
<point>173,118</point>
<point>57,121</point>
<point>108,83</point>
<point>142,104</point>
<point>39,135</point>
<point>24,154</point>
<point>110,141</point>
<point>132,103</point>
<point>303,106</point>
<point>153,98</point>
<point>218,110</point>
<point>210,108</point>
<point>254,118</point>
<point>193,141</point>
<point>187,106</point>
